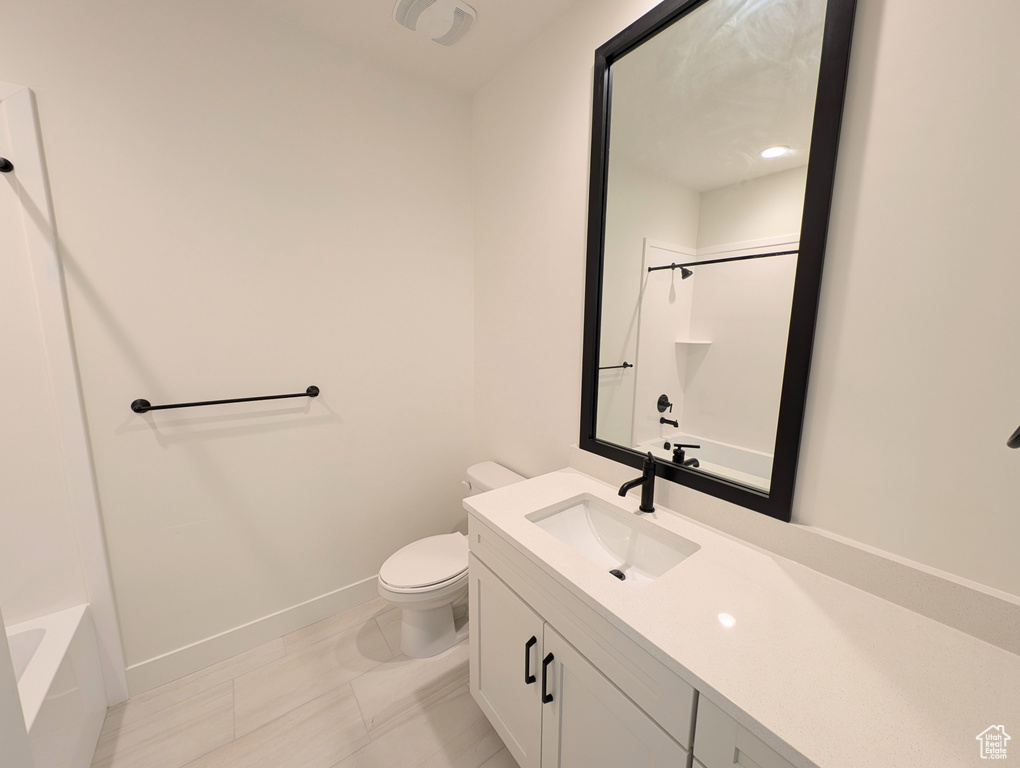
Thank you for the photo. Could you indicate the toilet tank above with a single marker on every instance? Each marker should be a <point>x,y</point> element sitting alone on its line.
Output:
<point>489,475</point>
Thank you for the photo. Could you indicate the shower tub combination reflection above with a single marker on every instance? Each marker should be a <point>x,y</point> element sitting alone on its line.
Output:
<point>60,683</point>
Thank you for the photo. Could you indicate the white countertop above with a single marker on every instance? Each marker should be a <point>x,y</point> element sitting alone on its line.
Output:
<point>841,676</point>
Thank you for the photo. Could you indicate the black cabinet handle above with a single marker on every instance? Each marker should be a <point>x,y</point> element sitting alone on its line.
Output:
<point>546,697</point>
<point>528,677</point>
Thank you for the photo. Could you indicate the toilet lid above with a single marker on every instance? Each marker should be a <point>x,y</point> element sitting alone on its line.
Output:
<point>426,562</point>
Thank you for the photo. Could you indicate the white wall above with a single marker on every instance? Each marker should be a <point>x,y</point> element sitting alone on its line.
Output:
<point>914,387</point>
<point>768,206</point>
<point>913,390</point>
<point>530,162</point>
<point>244,212</point>
<point>640,205</point>
<point>666,302</point>
<point>733,387</point>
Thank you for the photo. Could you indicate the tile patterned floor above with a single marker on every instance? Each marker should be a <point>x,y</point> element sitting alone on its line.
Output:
<point>337,694</point>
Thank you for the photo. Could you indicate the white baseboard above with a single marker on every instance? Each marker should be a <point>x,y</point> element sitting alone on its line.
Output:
<point>159,670</point>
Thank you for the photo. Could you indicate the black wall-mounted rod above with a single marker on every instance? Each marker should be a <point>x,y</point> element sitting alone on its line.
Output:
<point>6,166</point>
<point>612,367</point>
<point>143,406</point>
<point>722,261</point>
<point>1014,442</point>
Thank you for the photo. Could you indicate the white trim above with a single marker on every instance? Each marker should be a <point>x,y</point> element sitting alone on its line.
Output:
<point>47,272</point>
<point>175,664</point>
<point>662,245</point>
<point>9,89</point>
<point>745,248</point>
<point>750,245</point>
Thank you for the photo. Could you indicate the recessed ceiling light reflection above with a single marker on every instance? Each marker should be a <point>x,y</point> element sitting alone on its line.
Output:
<point>777,151</point>
<point>726,620</point>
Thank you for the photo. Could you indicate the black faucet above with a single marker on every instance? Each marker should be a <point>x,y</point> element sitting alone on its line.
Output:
<point>647,483</point>
<point>678,455</point>
<point>671,422</point>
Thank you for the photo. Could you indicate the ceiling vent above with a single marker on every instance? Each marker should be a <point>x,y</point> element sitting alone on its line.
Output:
<point>445,21</point>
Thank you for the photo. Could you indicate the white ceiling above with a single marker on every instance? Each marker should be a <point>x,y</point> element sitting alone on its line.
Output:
<point>503,30</point>
<point>698,102</point>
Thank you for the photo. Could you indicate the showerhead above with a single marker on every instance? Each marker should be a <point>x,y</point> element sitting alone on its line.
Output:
<point>6,166</point>
<point>685,273</point>
<point>1014,441</point>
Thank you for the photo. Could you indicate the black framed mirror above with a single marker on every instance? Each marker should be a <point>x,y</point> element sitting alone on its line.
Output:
<point>714,135</point>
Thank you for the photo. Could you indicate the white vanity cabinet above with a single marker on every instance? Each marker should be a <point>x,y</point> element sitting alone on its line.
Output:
<point>587,721</point>
<point>506,653</point>
<point>721,742</point>
<point>552,707</point>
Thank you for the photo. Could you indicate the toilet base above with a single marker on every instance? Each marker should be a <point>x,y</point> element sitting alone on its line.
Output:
<point>426,633</point>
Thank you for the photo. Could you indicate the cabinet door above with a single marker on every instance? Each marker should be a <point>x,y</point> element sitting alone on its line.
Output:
<point>721,742</point>
<point>506,645</point>
<point>589,723</point>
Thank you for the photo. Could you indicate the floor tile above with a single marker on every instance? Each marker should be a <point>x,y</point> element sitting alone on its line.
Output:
<point>172,736</point>
<point>335,625</point>
<point>502,759</point>
<point>468,749</point>
<point>276,688</point>
<point>448,732</point>
<point>395,691</point>
<point>389,623</point>
<point>146,704</point>
<point>335,694</point>
<point>318,734</point>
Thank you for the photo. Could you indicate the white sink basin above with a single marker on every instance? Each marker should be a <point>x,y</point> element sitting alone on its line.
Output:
<point>613,539</point>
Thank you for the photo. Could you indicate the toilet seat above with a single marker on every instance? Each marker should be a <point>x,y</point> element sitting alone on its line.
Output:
<point>429,564</point>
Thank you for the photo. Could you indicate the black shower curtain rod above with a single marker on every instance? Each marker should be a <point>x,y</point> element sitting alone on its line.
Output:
<point>723,261</point>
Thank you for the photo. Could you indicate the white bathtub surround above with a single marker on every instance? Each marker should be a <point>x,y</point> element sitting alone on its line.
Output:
<point>823,673</point>
<point>60,684</point>
<point>54,554</point>
<point>13,734</point>
<point>734,462</point>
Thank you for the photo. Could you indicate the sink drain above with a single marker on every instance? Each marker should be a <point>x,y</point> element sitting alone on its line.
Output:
<point>619,574</point>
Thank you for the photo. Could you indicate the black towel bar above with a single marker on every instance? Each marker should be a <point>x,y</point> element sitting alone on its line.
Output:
<point>143,406</point>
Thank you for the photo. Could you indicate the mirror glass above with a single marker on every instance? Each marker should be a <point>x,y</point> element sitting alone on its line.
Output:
<point>709,134</point>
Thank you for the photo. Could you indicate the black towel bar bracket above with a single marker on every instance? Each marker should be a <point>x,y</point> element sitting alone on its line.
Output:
<point>144,406</point>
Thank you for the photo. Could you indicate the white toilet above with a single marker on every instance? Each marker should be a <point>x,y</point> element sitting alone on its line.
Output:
<point>427,577</point>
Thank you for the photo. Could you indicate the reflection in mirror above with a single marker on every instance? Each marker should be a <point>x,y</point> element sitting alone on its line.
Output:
<point>708,149</point>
